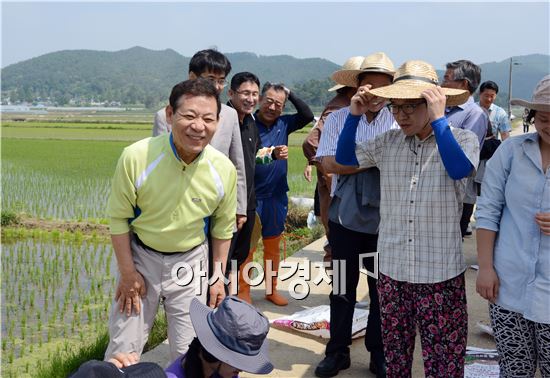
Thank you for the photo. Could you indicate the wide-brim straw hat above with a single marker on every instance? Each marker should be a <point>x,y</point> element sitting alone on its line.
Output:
<point>413,78</point>
<point>352,64</point>
<point>541,97</point>
<point>376,63</point>
<point>235,333</point>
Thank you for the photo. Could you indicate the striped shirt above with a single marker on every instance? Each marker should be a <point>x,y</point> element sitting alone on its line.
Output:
<point>334,124</point>
<point>420,206</point>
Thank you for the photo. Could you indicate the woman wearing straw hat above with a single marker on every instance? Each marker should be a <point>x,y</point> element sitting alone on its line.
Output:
<point>230,339</point>
<point>513,243</point>
<point>423,167</point>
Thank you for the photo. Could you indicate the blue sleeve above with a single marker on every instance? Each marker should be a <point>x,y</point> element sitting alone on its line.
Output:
<point>345,150</point>
<point>454,159</point>
<point>303,116</point>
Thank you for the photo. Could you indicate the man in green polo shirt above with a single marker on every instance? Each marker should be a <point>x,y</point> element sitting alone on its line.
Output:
<point>168,192</point>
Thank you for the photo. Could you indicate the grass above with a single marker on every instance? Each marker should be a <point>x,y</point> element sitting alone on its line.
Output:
<point>63,124</point>
<point>134,116</point>
<point>65,172</point>
<point>58,178</point>
<point>75,133</point>
<point>60,299</point>
<point>9,218</point>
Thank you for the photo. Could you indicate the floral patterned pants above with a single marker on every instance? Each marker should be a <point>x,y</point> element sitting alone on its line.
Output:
<point>439,311</point>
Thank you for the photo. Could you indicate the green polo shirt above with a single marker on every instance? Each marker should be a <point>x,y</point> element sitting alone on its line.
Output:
<point>170,204</point>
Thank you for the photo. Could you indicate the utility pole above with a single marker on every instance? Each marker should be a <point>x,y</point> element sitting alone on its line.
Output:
<point>510,87</point>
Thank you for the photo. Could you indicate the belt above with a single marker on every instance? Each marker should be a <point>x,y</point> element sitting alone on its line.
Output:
<point>145,246</point>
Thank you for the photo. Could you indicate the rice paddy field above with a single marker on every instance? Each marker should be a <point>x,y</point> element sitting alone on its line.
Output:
<point>57,285</point>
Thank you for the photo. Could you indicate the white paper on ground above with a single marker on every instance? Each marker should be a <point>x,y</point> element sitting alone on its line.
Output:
<point>481,363</point>
<point>316,321</point>
<point>477,370</point>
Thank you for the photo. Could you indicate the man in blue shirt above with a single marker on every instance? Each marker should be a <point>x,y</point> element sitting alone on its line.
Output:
<point>464,74</point>
<point>499,119</point>
<point>270,180</point>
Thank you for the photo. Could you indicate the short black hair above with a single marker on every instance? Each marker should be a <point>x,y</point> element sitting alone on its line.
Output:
<point>466,70</point>
<point>243,77</point>
<point>491,85</point>
<point>209,60</point>
<point>198,87</point>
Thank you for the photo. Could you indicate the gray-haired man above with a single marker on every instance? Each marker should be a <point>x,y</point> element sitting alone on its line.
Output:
<point>464,74</point>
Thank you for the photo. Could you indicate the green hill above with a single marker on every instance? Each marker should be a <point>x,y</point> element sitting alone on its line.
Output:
<point>142,76</point>
<point>136,75</point>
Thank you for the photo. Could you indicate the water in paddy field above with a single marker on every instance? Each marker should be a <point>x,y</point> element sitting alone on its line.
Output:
<point>56,294</point>
<point>46,195</point>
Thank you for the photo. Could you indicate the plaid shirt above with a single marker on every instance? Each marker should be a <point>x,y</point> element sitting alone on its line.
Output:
<point>420,208</point>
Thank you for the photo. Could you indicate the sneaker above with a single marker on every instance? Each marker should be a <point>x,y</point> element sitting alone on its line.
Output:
<point>332,364</point>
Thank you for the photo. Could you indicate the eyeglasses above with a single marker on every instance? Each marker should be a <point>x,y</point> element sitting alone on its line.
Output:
<point>406,108</point>
<point>220,82</point>
<point>270,101</point>
<point>248,94</point>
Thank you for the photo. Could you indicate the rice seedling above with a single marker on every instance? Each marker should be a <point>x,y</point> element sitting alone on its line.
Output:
<point>51,277</point>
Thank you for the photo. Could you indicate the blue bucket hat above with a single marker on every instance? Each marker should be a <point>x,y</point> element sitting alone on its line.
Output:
<point>234,333</point>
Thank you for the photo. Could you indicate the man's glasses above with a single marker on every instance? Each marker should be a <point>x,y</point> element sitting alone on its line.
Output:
<point>248,94</point>
<point>270,101</point>
<point>406,108</point>
<point>220,82</point>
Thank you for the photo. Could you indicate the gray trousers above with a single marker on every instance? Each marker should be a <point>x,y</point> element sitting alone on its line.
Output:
<point>129,333</point>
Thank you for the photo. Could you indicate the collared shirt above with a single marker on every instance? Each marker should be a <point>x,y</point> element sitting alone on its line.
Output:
<point>420,206</point>
<point>271,179</point>
<point>334,125</point>
<point>514,189</point>
<point>167,202</point>
<point>499,120</point>
<point>469,116</point>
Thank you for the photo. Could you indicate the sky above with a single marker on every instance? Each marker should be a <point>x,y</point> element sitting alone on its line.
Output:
<point>437,32</point>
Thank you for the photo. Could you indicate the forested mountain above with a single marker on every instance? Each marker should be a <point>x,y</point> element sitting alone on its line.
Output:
<point>136,75</point>
<point>142,76</point>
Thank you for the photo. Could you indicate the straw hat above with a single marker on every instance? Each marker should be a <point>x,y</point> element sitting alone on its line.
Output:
<point>377,62</point>
<point>353,63</point>
<point>541,97</point>
<point>412,78</point>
